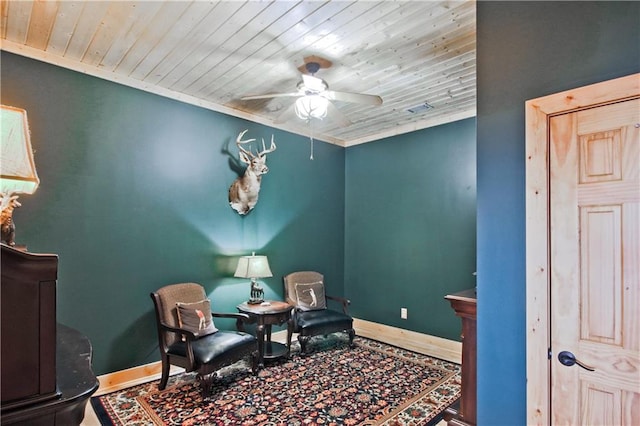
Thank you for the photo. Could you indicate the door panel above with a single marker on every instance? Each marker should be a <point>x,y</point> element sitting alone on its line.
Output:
<point>600,300</point>
<point>594,254</point>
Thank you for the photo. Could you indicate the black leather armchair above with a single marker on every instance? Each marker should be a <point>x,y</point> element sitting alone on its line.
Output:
<point>311,316</point>
<point>202,353</point>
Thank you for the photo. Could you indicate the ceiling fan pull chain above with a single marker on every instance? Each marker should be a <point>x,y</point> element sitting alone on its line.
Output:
<point>311,138</point>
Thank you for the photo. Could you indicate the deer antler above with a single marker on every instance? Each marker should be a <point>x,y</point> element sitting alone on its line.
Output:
<point>239,141</point>
<point>265,150</point>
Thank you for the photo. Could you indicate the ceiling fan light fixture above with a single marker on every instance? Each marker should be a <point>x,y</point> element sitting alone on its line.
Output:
<point>311,106</point>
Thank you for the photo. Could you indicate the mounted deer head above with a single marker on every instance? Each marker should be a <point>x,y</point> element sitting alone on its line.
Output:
<point>243,193</point>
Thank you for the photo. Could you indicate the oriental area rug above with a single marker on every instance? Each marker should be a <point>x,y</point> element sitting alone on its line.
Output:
<point>370,384</point>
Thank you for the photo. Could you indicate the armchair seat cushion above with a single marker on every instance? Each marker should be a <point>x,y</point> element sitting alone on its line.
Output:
<point>309,321</point>
<point>213,346</point>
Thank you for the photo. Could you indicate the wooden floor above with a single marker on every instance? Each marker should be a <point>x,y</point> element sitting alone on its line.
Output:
<point>90,418</point>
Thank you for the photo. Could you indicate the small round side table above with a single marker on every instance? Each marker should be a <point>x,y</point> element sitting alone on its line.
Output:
<point>265,315</point>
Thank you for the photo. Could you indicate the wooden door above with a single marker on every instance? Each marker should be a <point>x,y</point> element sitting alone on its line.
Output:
<point>594,216</point>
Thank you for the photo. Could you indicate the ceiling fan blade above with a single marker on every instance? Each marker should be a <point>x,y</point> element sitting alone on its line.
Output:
<point>271,95</point>
<point>358,98</point>
<point>337,116</point>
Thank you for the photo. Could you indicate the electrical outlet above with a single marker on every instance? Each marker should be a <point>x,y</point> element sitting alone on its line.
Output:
<point>403,313</point>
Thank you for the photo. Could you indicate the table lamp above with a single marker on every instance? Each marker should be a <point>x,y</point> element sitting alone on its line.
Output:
<point>254,267</point>
<point>17,168</point>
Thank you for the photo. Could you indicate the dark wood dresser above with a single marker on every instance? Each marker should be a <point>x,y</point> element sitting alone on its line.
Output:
<point>464,305</point>
<point>46,376</point>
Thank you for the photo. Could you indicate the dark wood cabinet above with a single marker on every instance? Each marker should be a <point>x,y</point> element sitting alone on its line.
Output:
<point>28,351</point>
<point>464,305</point>
<point>46,376</point>
<point>75,381</point>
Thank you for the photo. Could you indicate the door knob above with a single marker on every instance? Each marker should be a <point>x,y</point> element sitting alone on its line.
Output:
<point>568,359</point>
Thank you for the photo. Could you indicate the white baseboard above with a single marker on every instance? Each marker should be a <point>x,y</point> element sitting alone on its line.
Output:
<point>438,347</point>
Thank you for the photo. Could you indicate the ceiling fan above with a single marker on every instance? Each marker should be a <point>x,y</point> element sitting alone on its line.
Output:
<point>314,97</point>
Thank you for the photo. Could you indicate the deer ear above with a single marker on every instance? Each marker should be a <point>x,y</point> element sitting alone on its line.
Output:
<point>244,157</point>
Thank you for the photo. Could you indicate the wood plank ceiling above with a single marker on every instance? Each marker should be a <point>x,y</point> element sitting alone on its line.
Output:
<point>213,53</point>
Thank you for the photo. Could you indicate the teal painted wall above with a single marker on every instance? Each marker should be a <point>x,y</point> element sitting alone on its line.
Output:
<point>133,196</point>
<point>411,226</point>
<point>526,50</point>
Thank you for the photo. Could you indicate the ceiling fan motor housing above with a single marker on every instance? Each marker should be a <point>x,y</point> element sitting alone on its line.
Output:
<point>312,67</point>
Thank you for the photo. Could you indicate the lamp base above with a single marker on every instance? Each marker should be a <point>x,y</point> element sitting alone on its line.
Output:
<point>7,227</point>
<point>257,293</point>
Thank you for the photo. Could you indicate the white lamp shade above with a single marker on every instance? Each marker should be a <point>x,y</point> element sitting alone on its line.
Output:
<point>253,267</point>
<point>314,106</point>
<point>17,168</point>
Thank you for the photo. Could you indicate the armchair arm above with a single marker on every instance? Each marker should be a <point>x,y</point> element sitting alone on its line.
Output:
<point>238,316</point>
<point>189,336</point>
<point>345,302</point>
<point>241,319</point>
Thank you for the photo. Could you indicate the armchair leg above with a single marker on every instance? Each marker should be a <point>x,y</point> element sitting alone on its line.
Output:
<point>165,375</point>
<point>255,357</point>
<point>303,344</point>
<point>352,334</point>
<point>206,381</point>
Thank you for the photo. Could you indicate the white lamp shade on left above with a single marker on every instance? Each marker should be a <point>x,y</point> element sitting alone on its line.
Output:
<point>17,167</point>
